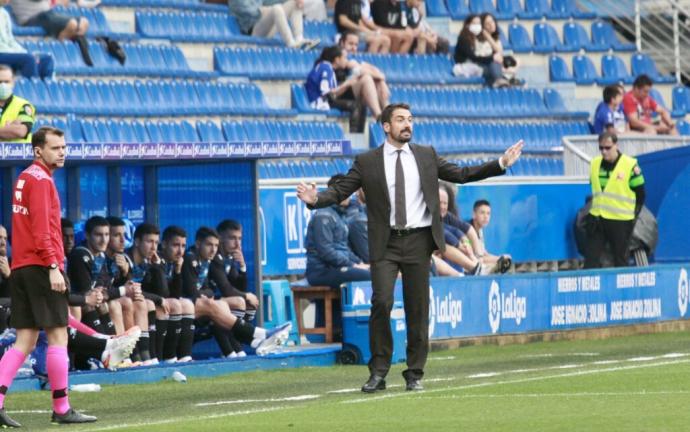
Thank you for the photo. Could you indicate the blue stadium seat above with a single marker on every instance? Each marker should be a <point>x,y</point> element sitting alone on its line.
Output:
<point>90,132</point>
<point>535,9</point>
<point>209,131</point>
<point>479,7</point>
<point>436,8</point>
<point>74,131</point>
<point>508,9</point>
<point>546,40</point>
<point>568,8</point>
<point>603,34</point>
<point>613,71</point>
<point>643,64</point>
<point>683,127</point>
<point>583,70</point>
<point>555,105</point>
<point>519,38</point>
<point>681,101</point>
<point>575,37</point>
<point>558,70</point>
<point>458,9</point>
<point>233,131</point>
<point>154,132</point>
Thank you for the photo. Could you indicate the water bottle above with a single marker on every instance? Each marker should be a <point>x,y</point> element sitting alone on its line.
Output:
<point>85,387</point>
<point>178,376</point>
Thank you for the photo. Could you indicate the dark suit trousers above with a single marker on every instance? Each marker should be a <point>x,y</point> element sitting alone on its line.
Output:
<point>411,255</point>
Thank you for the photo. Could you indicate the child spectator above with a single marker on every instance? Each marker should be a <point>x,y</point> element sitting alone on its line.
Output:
<point>324,92</point>
<point>608,117</point>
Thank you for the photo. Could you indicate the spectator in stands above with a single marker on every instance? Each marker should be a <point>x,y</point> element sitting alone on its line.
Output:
<point>180,337</point>
<point>12,53</point>
<point>67,235</point>
<point>458,249</point>
<point>324,92</point>
<point>474,54</point>
<point>263,18</point>
<point>330,261</point>
<point>608,116</point>
<point>63,27</point>
<point>392,20</point>
<point>195,274</point>
<point>18,114</point>
<point>349,18</point>
<point>618,196</point>
<point>639,108</point>
<point>426,40</point>
<point>481,216</point>
<point>509,64</point>
<point>370,86</point>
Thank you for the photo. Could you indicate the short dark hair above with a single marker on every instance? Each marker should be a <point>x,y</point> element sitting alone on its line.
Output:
<point>115,221</point>
<point>387,112</point>
<point>173,231</point>
<point>95,222</point>
<point>145,229</point>
<point>611,92</point>
<point>345,34</point>
<point>205,232</point>
<point>642,81</point>
<point>229,225</point>
<point>66,223</point>
<point>608,135</point>
<point>38,139</point>
<point>479,203</point>
<point>335,179</point>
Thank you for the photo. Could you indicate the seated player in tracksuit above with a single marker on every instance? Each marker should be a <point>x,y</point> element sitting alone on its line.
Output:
<point>177,346</point>
<point>195,275</point>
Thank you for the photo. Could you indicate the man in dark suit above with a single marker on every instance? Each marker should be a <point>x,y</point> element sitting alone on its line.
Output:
<point>400,181</point>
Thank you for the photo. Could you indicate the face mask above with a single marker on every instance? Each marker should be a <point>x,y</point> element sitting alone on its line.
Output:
<point>475,29</point>
<point>5,90</point>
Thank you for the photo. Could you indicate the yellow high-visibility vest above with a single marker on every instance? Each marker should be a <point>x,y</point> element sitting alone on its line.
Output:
<point>22,110</point>
<point>617,200</point>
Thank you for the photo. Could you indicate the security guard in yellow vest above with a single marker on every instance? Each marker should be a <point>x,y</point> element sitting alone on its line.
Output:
<point>18,115</point>
<point>617,198</point>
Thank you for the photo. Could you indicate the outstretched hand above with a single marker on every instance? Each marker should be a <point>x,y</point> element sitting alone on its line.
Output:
<point>307,192</point>
<point>512,154</point>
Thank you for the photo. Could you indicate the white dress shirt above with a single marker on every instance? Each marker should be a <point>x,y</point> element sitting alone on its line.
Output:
<point>418,214</point>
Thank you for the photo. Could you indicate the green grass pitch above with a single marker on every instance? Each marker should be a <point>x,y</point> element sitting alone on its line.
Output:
<point>639,383</point>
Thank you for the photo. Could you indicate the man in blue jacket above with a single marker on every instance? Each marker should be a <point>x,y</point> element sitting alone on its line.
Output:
<point>330,261</point>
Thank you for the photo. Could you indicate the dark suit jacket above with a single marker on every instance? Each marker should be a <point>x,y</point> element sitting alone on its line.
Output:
<point>368,172</point>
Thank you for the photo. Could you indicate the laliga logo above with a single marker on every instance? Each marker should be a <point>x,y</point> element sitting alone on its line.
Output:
<point>683,292</point>
<point>494,307</point>
<point>505,307</point>
<point>444,310</point>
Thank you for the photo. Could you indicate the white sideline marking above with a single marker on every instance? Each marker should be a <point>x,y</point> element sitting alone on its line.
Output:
<point>350,390</point>
<point>140,425</point>
<point>674,355</point>
<point>638,359</point>
<point>242,401</point>
<point>439,379</point>
<point>523,380</point>
<point>34,411</point>
<point>545,355</point>
<point>441,358</point>
<point>550,395</point>
<point>606,362</point>
<point>486,375</point>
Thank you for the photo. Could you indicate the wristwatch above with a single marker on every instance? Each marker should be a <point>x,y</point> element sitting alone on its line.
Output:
<point>53,266</point>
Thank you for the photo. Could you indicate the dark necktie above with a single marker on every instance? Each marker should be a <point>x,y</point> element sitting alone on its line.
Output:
<point>400,206</point>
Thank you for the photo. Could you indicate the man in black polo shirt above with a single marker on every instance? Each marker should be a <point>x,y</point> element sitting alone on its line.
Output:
<point>348,17</point>
<point>391,18</point>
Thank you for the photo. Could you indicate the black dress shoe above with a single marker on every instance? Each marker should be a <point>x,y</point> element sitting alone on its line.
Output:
<point>6,421</point>
<point>414,385</point>
<point>375,383</point>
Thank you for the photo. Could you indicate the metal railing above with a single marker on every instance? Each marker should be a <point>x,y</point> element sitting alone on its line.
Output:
<point>578,151</point>
<point>660,28</point>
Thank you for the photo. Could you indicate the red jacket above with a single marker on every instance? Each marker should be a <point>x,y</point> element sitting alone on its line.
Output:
<point>36,229</point>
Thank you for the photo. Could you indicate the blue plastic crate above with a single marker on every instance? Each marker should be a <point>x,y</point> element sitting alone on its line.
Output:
<point>356,334</point>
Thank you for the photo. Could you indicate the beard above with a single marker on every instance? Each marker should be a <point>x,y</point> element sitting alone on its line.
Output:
<point>403,139</point>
